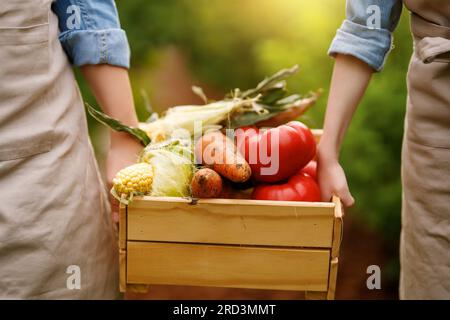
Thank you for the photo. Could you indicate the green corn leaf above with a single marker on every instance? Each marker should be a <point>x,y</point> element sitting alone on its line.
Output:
<point>250,118</point>
<point>273,95</point>
<point>289,100</point>
<point>116,125</point>
<point>274,81</point>
<point>294,101</point>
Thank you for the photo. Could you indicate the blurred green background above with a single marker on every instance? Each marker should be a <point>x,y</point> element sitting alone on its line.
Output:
<point>224,44</point>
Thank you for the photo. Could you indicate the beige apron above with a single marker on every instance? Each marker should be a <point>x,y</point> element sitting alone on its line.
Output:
<point>425,240</point>
<point>55,229</point>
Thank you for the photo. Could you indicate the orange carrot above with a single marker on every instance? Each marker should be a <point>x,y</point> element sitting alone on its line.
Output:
<point>218,152</point>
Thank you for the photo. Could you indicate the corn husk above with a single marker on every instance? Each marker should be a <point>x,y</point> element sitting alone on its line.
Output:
<point>239,108</point>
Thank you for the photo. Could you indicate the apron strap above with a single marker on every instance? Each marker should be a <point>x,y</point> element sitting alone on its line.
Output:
<point>434,43</point>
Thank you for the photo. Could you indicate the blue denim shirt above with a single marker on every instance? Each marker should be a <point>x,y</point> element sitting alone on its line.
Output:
<point>91,33</point>
<point>367,31</point>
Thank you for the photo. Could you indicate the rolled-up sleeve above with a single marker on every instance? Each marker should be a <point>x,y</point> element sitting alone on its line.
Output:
<point>367,31</point>
<point>91,32</point>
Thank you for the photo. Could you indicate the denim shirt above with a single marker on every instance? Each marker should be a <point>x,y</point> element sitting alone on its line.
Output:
<point>367,31</point>
<point>91,33</point>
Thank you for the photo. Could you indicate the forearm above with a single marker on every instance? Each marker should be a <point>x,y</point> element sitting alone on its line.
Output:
<point>349,82</point>
<point>112,90</point>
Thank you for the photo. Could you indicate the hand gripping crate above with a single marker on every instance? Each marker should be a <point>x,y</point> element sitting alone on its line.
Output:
<point>231,243</point>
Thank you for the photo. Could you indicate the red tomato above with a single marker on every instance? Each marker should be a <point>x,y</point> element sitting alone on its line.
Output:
<point>278,153</point>
<point>300,187</point>
<point>308,138</point>
<point>243,135</point>
<point>311,169</point>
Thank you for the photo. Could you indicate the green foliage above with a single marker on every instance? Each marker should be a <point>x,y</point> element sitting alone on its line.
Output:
<point>232,44</point>
<point>116,125</point>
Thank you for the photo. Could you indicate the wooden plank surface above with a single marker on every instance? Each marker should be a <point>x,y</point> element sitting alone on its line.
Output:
<point>122,226</point>
<point>122,270</point>
<point>333,279</point>
<point>315,295</point>
<point>227,266</point>
<point>245,222</point>
<point>138,288</point>
<point>337,228</point>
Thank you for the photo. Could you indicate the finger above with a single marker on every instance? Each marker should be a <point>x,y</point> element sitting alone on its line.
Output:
<point>326,195</point>
<point>346,198</point>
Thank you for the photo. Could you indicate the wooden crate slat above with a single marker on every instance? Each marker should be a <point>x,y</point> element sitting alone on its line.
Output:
<point>138,288</point>
<point>122,270</point>
<point>245,222</point>
<point>227,266</point>
<point>231,243</point>
<point>333,279</point>
<point>315,295</point>
<point>122,226</point>
<point>337,228</point>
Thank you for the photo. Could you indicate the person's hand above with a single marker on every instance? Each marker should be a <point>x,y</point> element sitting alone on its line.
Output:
<point>123,152</point>
<point>331,177</point>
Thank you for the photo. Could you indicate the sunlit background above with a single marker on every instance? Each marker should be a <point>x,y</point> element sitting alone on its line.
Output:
<point>224,44</point>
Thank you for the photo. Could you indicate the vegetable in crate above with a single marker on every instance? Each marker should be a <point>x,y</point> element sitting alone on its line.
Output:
<point>278,153</point>
<point>311,169</point>
<point>270,100</point>
<point>300,187</point>
<point>134,180</point>
<point>308,139</point>
<point>206,183</point>
<point>172,163</point>
<point>164,170</point>
<point>184,117</point>
<point>268,103</point>
<point>218,151</point>
<point>118,126</point>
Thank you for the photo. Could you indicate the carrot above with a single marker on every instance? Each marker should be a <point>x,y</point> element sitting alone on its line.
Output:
<point>218,152</point>
<point>206,183</point>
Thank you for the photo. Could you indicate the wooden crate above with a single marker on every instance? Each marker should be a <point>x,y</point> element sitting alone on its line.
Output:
<point>230,243</point>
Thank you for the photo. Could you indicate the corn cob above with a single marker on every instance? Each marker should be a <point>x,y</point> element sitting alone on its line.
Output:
<point>134,180</point>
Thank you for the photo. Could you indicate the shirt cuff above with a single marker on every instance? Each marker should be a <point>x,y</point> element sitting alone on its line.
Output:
<point>369,45</point>
<point>108,46</point>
